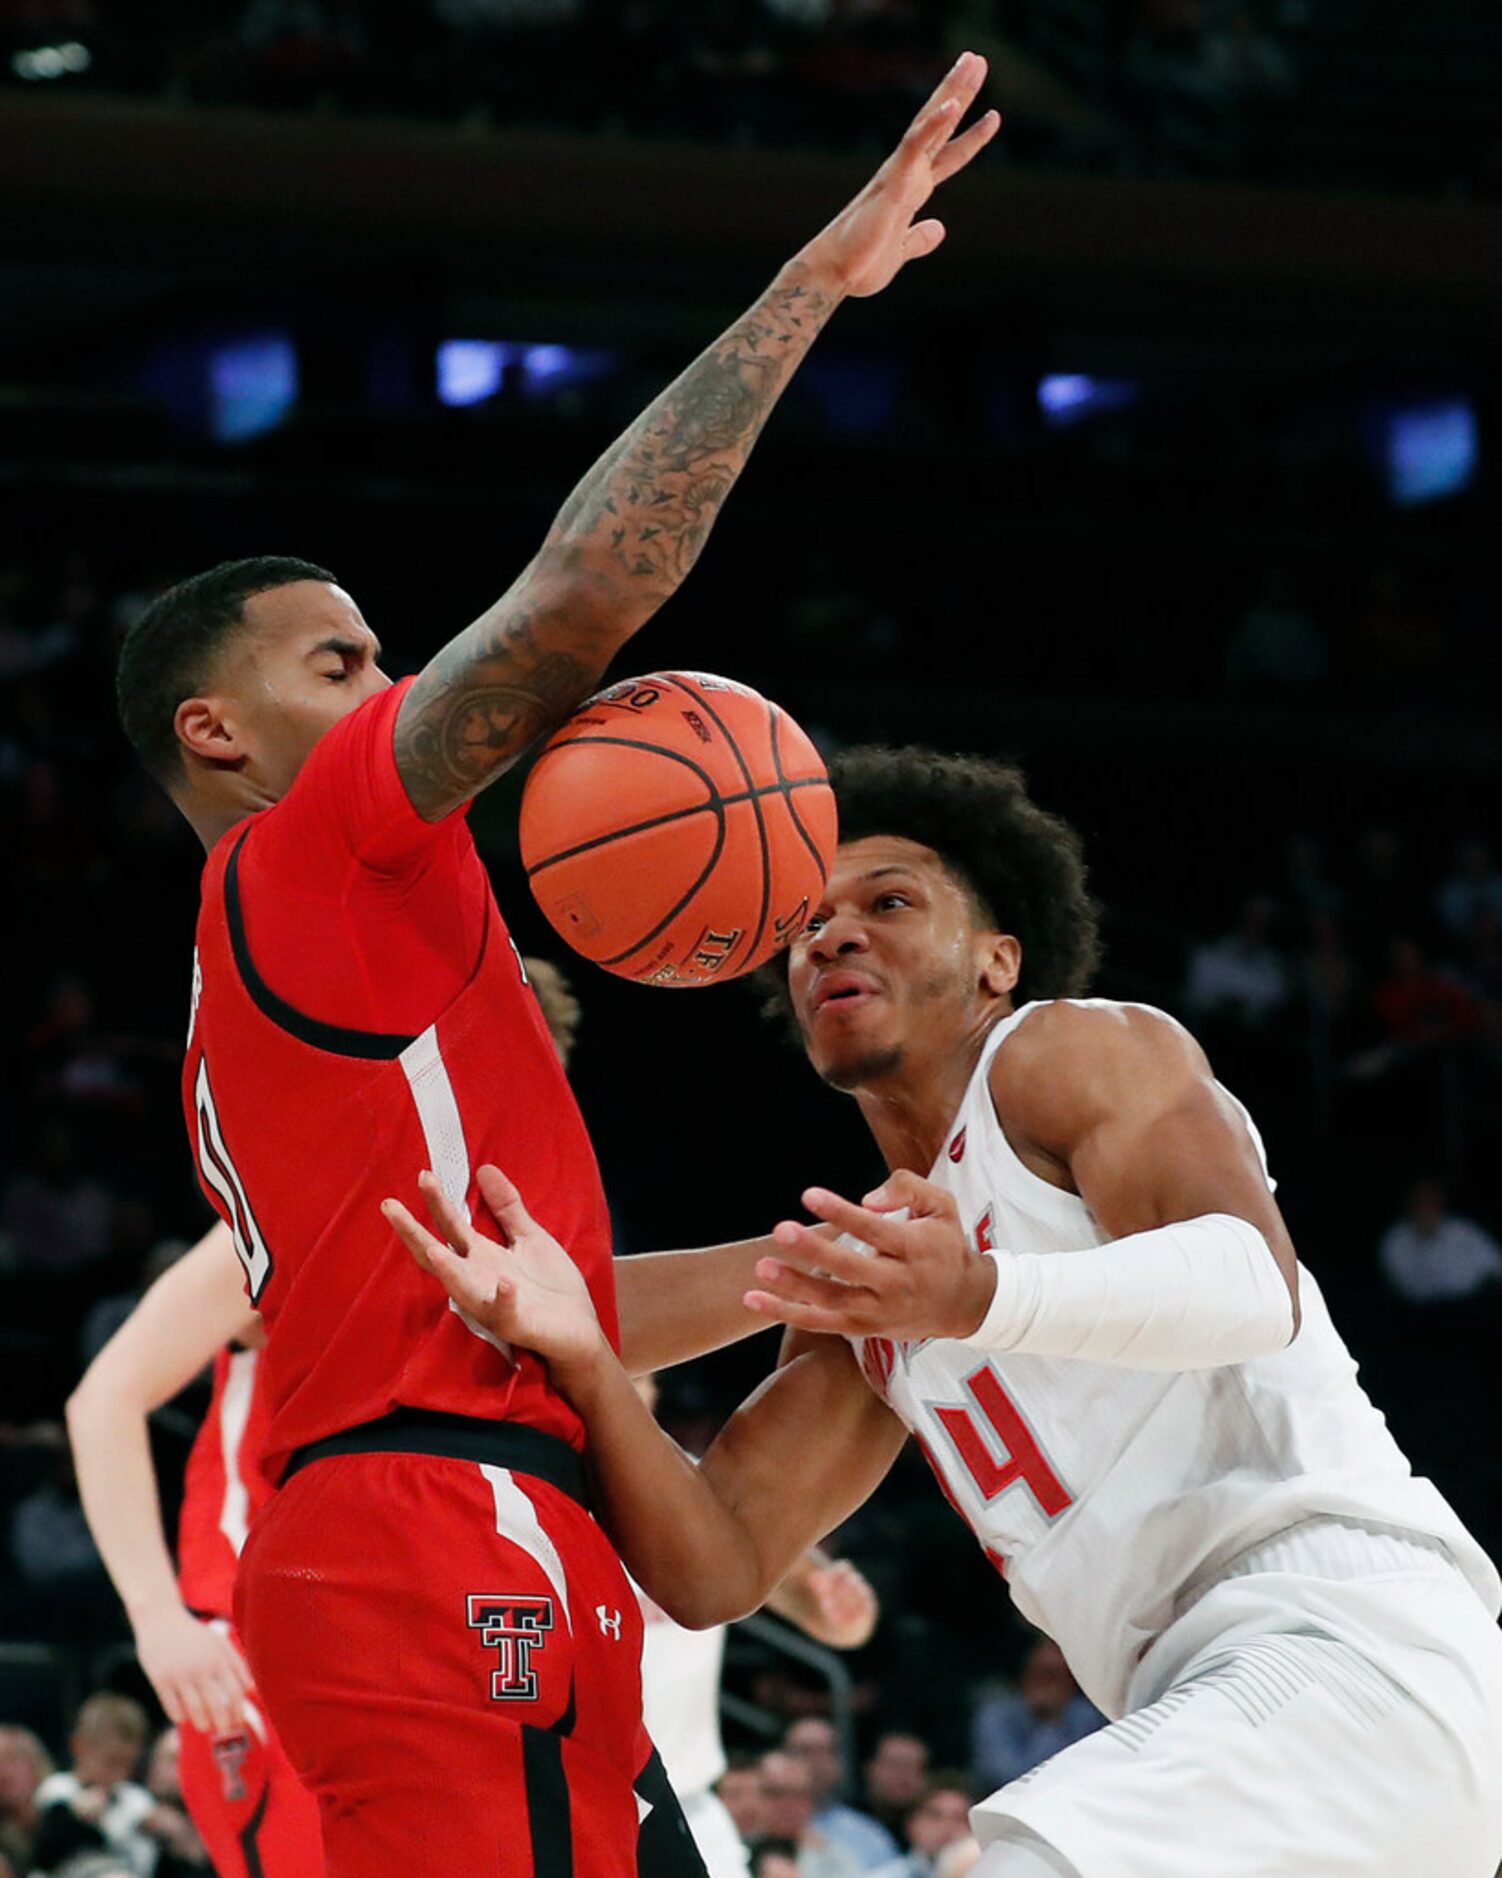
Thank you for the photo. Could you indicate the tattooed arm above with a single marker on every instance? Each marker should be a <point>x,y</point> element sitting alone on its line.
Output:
<point>633,528</point>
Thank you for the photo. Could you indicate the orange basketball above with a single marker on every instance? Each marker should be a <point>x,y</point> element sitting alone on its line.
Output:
<point>678,829</point>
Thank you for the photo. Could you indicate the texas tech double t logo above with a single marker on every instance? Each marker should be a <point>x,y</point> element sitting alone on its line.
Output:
<point>516,1626</point>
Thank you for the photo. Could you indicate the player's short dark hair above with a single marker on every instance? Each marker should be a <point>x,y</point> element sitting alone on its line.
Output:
<point>1023,867</point>
<point>168,653</point>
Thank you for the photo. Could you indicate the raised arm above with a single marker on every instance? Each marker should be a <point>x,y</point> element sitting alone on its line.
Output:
<point>630,532</point>
<point>184,1320</point>
<point>708,1542</point>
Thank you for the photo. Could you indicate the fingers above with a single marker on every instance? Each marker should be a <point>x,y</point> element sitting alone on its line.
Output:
<point>807,1287</point>
<point>800,1316</point>
<point>957,88</point>
<point>504,1201</point>
<point>905,1189</point>
<point>447,1214</point>
<point>872,1227</point>
<point>416,1238</point>
<point>810,1252</point>
<point>953,157</point>
<point>921,240</point>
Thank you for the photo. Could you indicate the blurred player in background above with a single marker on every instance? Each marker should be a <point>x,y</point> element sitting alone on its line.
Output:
<point>680,1681</point>
<point>1076,1290</point>
<point>253,1814</point>
<point>444,1637</point>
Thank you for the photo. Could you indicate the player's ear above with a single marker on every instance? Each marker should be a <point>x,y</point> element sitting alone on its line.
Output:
<point>208,729</point>
<point>1000,963</point>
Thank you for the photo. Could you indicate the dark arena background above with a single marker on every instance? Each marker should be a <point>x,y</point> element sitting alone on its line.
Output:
<point>1174,476</point>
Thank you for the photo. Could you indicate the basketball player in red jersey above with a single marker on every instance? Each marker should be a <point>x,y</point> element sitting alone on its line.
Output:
<point>443,1636</point>
<point>254,1816</point>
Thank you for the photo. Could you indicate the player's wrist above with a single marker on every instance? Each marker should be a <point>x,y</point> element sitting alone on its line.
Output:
<point>815,269</point>
<point>979,1290</point>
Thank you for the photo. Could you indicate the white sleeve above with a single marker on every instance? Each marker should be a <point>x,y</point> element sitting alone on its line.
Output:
<point>1198,1294</point>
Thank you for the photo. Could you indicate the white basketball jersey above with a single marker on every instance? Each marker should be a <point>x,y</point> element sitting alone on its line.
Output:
<point>680,1695</point>
<point>1106,1496</point>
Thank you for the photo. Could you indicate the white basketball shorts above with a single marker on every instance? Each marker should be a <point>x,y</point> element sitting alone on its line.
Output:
<point>1333,1707</point>
<point>725,1854</point>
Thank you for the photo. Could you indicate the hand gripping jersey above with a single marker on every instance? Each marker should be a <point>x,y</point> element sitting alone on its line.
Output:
<point>1108,1496</point>
<point>224,1487</point>
<point>301,1127</point>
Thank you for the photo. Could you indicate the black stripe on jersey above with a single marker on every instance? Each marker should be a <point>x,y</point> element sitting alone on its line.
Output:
<point>251,1831</point>
<point>550,1828</point>
<point>665,1847</point>
<point>374,1045</point>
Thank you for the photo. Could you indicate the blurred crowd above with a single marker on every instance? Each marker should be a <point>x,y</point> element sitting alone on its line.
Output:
<point>1282,89</point>
<point>114,1807</point>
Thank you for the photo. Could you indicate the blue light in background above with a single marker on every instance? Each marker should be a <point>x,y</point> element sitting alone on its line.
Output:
<point>1067,397</point>
<point>1431,449</point>
<point>471,370</point>
<point>252,385</point>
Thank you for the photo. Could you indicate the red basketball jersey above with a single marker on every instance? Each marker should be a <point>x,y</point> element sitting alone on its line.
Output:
<point>224,1487</point>
<point>300,1127</point>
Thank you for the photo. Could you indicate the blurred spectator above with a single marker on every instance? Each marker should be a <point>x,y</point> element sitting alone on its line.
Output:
<point>789,1799</point>
<point>1473,887</point>
<point>1479,962</point>
<point>896,1779</point>
<point>24,1765</point>
<point>50,1542</point>
<point>816,1743</point>
<point>180,1850</point>
<point>1242,976</point>
<point>1012,1733</point>
<point>1380,895</point>
<point>55,1217</point>
<point>1307,881</point>
<point>96,1805</point>
<point>1420,1005</point>
<point>1398,640</point>
<point>1432,1256</point>
<point>958,1860</point>
<point>742,1795</point>
<point>775,1858</point>
<point>1276,649</point>
<point>941,1819</point>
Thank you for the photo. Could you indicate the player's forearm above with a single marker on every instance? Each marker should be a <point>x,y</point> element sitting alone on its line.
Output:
<point>680,1541</point>
<point>675,1306</point>
<point>117,1484</point>
<point>637,522</point>
<point>621,545</point>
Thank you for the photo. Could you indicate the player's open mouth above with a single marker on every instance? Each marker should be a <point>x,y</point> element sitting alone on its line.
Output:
<point>842,989</point>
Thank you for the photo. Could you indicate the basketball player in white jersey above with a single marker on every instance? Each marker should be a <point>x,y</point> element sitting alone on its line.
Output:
<point>680,1682</point>
<point>1092,1317</point>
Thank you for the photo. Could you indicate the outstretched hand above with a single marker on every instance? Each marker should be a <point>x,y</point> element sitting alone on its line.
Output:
<point>877,234</point>
<point>527,1291</point>
<point>918,1277</point>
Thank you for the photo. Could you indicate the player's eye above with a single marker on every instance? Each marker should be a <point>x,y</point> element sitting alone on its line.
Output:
<point>885,900</point>
<point>812,925</point>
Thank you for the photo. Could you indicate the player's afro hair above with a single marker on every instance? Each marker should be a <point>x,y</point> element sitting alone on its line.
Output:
<point>1024,867</point>
<point>168,653</point>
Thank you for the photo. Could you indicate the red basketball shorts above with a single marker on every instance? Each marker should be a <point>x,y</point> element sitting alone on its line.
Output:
<point>450,1652</point>
<point>255,1817</point>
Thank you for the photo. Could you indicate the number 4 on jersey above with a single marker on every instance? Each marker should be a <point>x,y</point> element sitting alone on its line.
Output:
<point>219,1172</point>
<point>1021,1458</point>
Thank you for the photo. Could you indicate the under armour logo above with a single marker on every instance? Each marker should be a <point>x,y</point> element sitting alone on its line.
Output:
<point>610,1622</point>
<point>516,1626</point>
